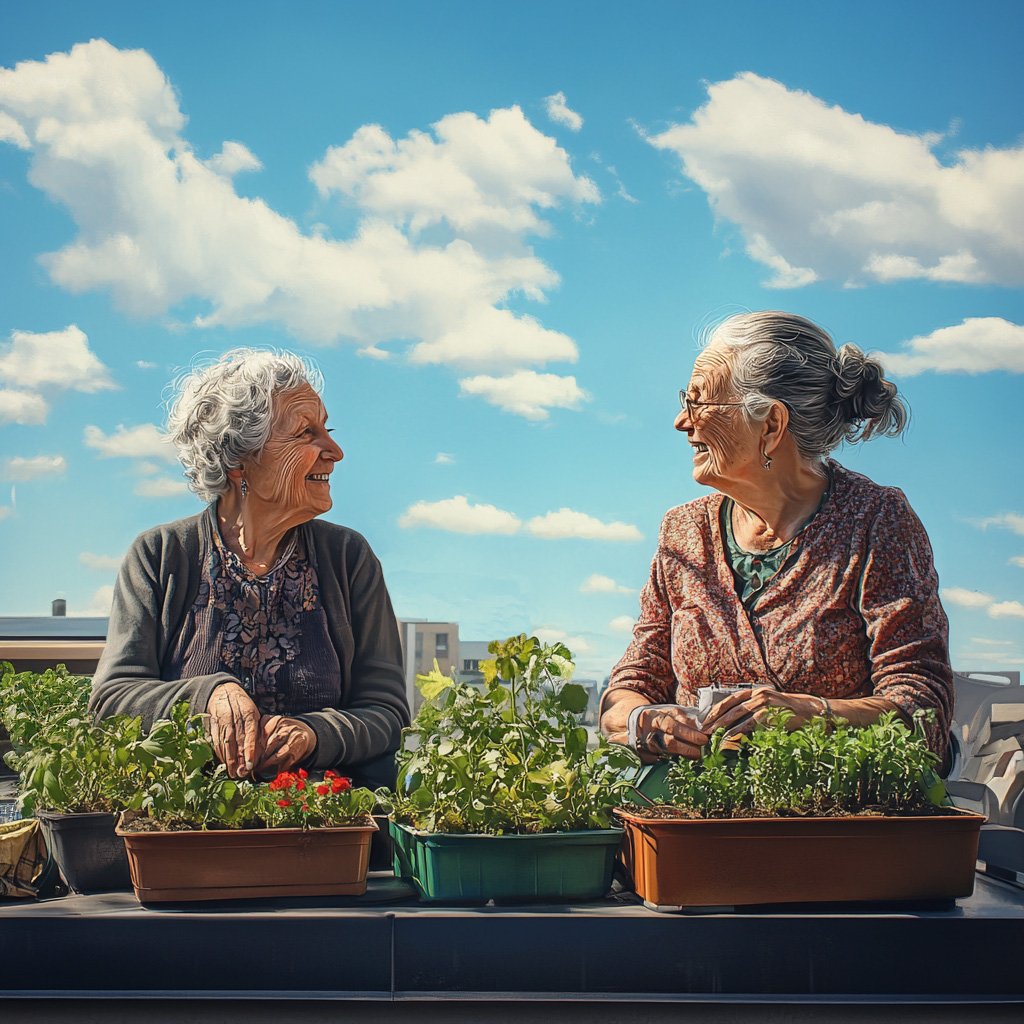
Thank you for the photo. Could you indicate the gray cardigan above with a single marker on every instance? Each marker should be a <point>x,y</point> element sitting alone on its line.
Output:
<point>156,588</point>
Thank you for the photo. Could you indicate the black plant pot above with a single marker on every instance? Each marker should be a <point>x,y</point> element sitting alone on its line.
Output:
<point>382,854</point>
<point>90,856</point>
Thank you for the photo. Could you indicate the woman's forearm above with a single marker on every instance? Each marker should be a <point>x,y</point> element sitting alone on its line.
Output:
<point>861,711</point>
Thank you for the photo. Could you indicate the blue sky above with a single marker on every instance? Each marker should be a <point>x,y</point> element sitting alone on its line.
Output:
<point>499,230</point>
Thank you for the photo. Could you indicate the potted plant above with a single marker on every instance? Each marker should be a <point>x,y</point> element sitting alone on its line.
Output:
<point>500,795</point>
<point>75,775</point>
<point>200,835</point>
<point>826,813</point>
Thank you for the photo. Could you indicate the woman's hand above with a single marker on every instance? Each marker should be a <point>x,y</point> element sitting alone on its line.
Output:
<point>744,710</point>
<point>284,743</point>
<point>234,729</point>
<point>669,730</point>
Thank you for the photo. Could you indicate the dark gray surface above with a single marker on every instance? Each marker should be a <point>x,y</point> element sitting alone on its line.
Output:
<point>386,947</point>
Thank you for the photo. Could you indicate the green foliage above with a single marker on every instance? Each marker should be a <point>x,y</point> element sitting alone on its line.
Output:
<point>67,762</point>
<point>817,769</point>
<point>511,756</point>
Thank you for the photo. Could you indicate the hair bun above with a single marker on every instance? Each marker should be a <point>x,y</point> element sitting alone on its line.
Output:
<point>867,401</point>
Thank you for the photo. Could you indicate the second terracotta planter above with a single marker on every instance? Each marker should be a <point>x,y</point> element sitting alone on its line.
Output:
<point>248,863</point>
<point>680,863</point>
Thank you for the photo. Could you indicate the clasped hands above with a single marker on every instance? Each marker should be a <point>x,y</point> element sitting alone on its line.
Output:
<point>251,744</point>
<point>677,731</point>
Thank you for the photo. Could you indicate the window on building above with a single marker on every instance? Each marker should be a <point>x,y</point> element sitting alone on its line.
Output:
<point>471,665</point>
<point>441,645</point>
<point>419,645</point>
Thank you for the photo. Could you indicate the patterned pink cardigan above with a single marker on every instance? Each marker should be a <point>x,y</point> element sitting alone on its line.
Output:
<point>854,610</point>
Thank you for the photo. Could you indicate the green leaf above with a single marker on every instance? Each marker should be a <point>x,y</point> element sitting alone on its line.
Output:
<point>573,697</point>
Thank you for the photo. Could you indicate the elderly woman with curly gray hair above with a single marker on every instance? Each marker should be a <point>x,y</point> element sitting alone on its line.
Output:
<point>274,623</point>
<point>795,583</point>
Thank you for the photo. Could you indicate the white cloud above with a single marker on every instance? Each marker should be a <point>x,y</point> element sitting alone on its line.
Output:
<point>978,345</point>
<point>60,359</point>
<point>986,642</point>
<point>21,468</point>
<point>559,112</point>
<point>157,226</point>
<point>568,523</point>
<point>102,563</point>
<point>819,192</point>
<point>23,407</point>
<point>444,459</point>
<point>1007,610</point>
<point>622,624</point>
<point>100,602</point>
<point>143,441</point>
<point>979,599</point>
<point>145,364</point>
<point>548,635</point>
<point>1017,560</point>
<point>999,658</point>
<point>476,175</point>
<point>458,515</point>
<point>234,158</point>
<point>967,598</point>
<point>1009,520</point>
<point>598,584</point>
<point>160,487</point>
<point>526,393</point>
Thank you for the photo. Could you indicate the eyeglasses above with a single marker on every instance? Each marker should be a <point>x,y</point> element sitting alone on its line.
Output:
<point>689,404</point>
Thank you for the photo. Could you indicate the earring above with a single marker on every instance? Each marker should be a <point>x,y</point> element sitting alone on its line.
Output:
<point>245,487</point>
<point>767,463</point>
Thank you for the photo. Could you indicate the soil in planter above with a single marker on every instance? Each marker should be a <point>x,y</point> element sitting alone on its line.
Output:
<point>661,812</point>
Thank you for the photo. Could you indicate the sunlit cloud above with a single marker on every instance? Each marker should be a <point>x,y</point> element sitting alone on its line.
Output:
<point>568,523</point>
<point>527,393</point>
<point>24,407</point>
<point>966,598</point>
<point>978,345</point>
<point>559,112</point>
<point>21,468</point>
<point>101,563</point>
<point>160,487</point>
<point>143,441</point>
<point>1008,520</point>
<point>550,635</point>
<point>1007,610</point>
<point>598,584</point>
<point>58,359</point>
<point>819,192</point>
<point>622,624</point>
<point>440,246</point>
<point>444,459</point>
<point>459,515</point>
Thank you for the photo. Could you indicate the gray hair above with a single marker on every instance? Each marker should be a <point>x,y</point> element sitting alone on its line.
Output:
<point>832,395</point>
<point>220,413</point>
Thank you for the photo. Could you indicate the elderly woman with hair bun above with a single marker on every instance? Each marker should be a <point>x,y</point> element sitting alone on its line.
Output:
<point>795,583</point>
<point>271,621</point>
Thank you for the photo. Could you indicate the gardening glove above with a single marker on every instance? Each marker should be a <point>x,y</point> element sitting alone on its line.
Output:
<point>284,743</point>
<point>741,712</point>
<point>234,729</point>
<point>671,730</point>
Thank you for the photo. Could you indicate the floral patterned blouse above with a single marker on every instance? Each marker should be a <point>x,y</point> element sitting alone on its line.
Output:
<point>853,611</point>
<point>269,632</point>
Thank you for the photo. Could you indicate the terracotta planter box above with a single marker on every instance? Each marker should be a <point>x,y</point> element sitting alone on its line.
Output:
<point>678,863</point>
<point>243,864</point>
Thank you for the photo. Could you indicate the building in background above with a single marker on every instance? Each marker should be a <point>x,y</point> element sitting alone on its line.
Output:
<point>424,641</point>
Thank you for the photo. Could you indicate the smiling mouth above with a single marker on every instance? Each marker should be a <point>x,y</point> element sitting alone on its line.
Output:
<point>699,446</point>
<point>320,478</point>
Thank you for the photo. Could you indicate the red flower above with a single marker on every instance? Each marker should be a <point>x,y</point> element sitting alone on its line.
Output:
<point>303,774</point>
<point>323,790</point>
<point>305,807</point>
<point>330,774</point>
<point>339,785</point>
<point>284,803</point>
<point>300,784</point>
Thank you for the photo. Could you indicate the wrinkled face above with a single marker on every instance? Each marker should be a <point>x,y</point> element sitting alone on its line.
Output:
<point>292,474</point>
<point>724,444</point>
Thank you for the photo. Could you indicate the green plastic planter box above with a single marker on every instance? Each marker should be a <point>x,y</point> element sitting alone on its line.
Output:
<point>553,866</point>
